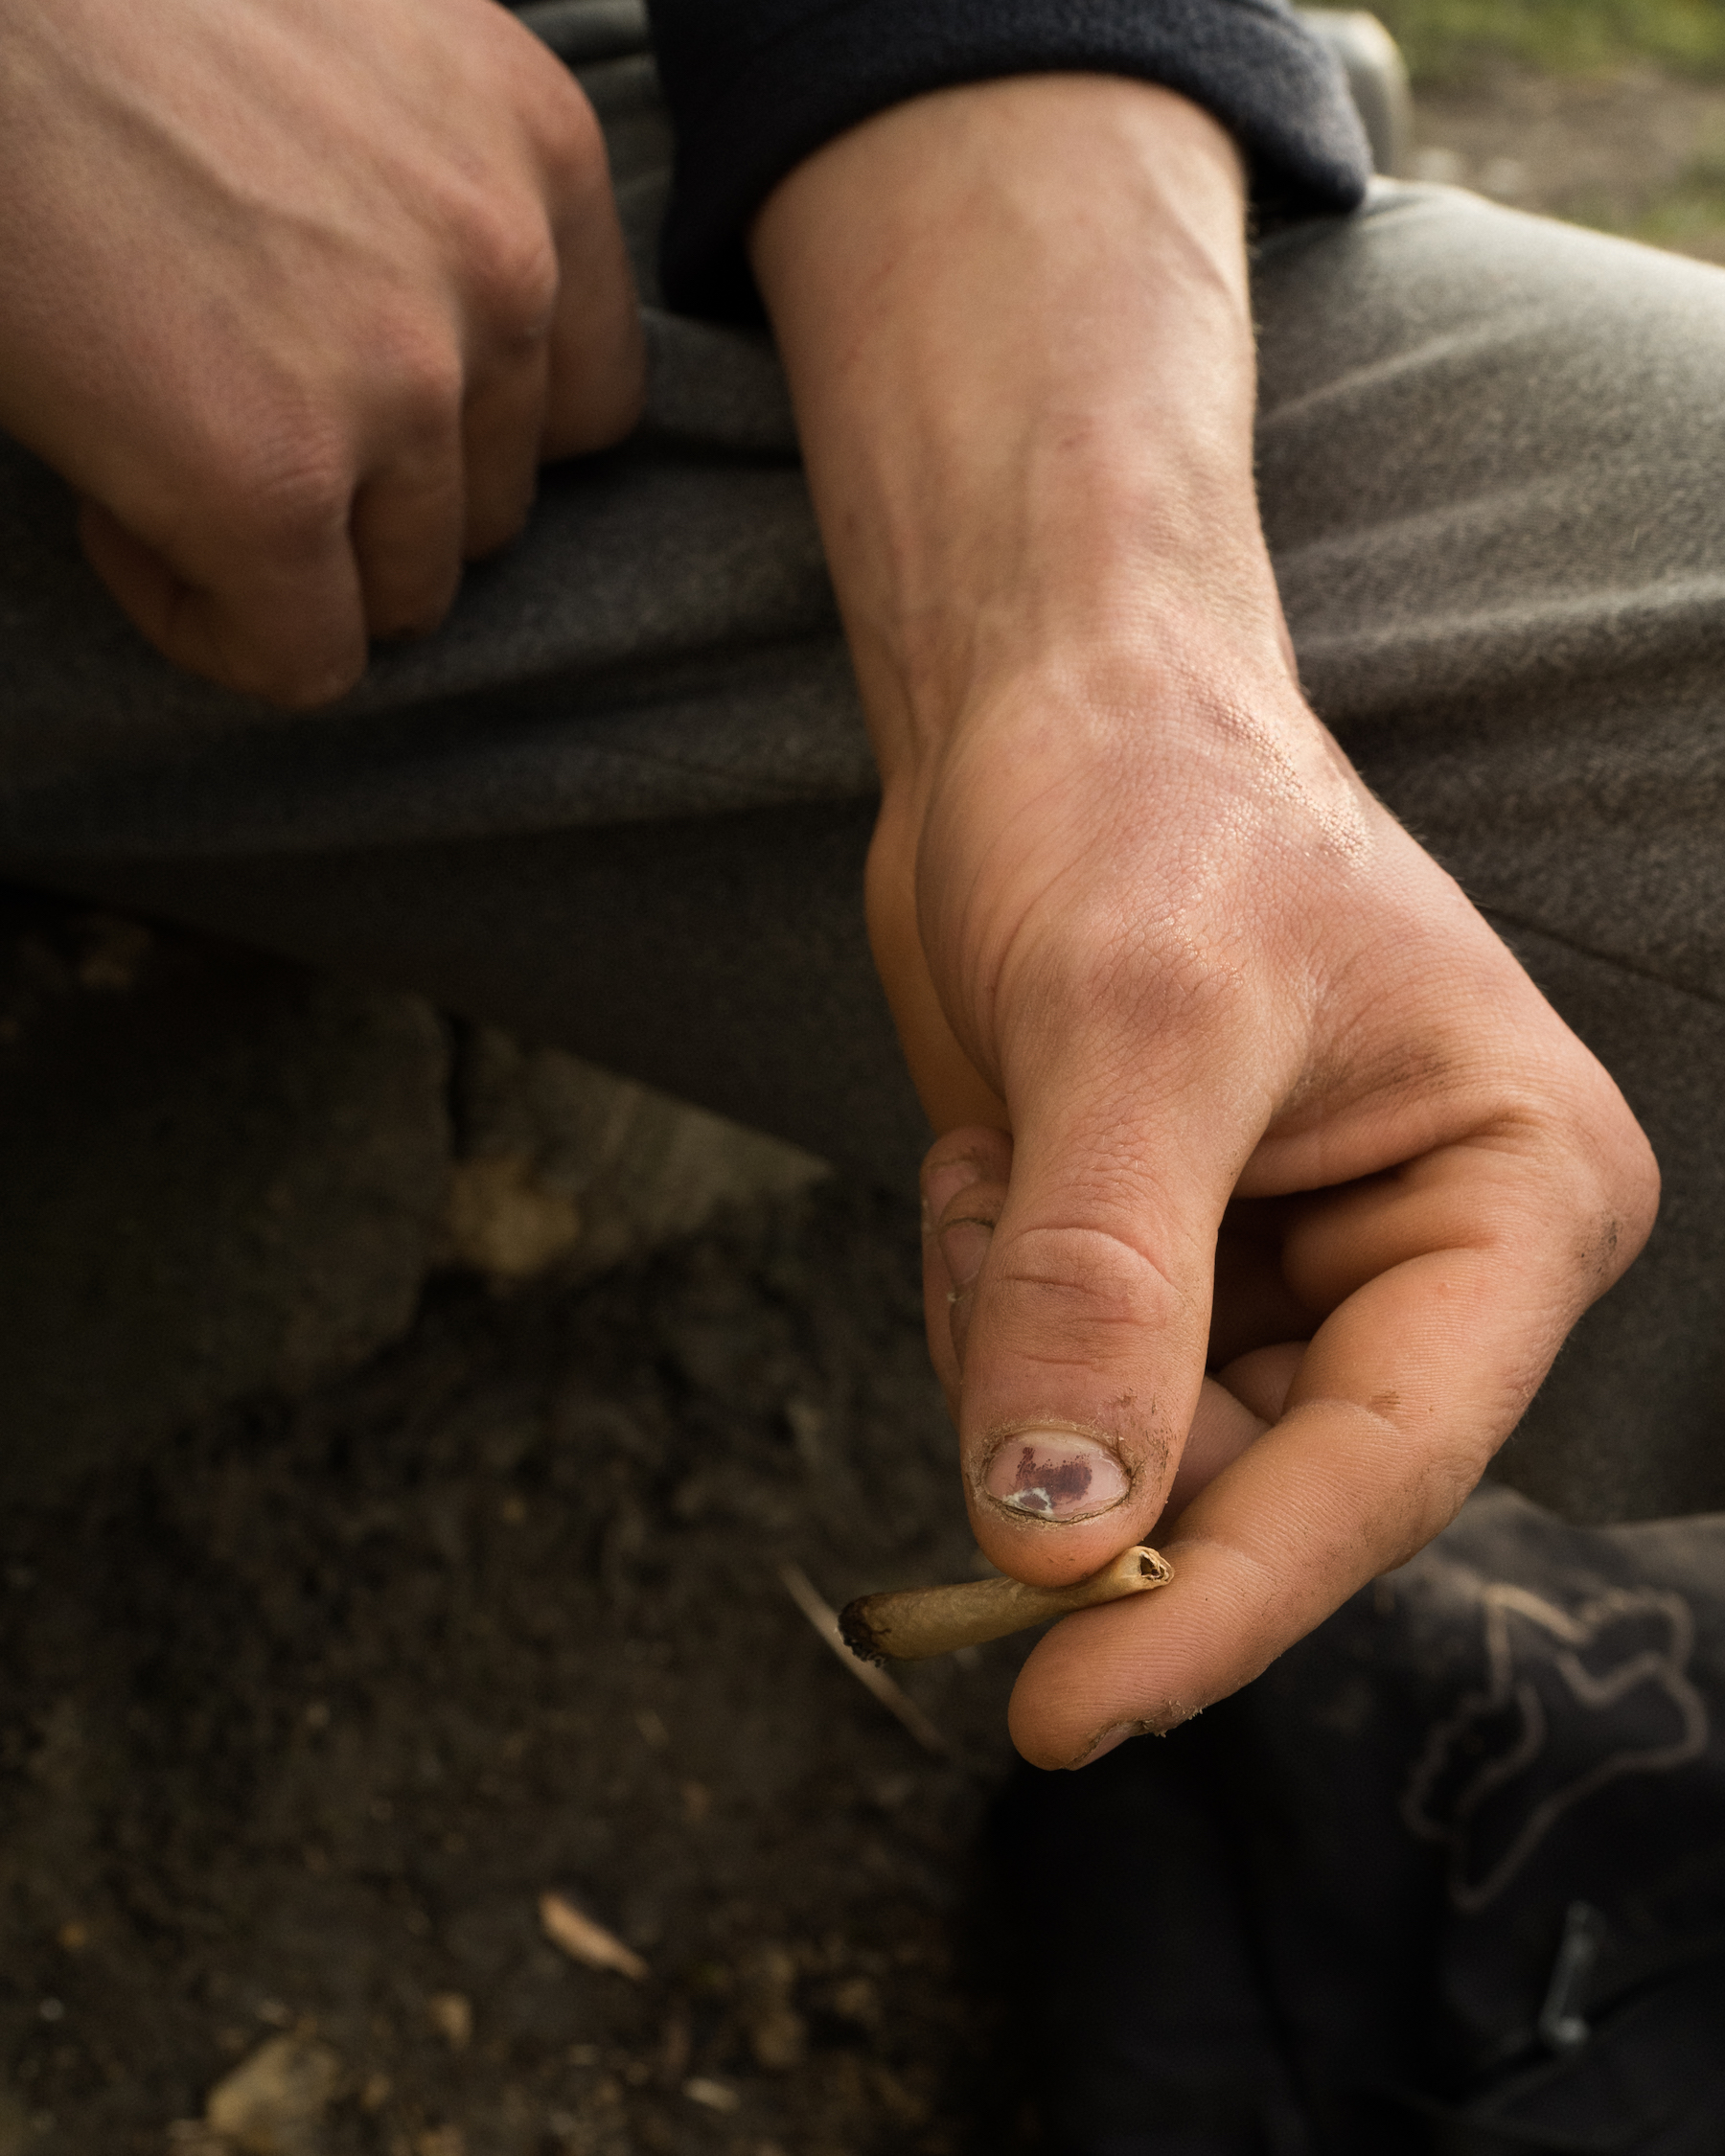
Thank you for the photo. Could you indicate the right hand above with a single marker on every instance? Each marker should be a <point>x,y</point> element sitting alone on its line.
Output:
<point>1228,1072</point>
<point>297,294</point>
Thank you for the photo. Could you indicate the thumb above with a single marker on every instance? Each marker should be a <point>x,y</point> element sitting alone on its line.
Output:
<point>1069,1278</point>
<point>295,637</point>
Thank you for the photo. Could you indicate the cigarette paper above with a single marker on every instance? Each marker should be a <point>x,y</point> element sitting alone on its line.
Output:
<point>932,1620</point>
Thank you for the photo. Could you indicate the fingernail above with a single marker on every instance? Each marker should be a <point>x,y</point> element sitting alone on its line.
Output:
<point>942,1185</point>
<point>1055,1475</point>
<point>963,1246</point>
<point>1109,1741</point>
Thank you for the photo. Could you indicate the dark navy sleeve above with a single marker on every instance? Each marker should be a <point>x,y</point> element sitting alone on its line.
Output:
<point>755,85</point>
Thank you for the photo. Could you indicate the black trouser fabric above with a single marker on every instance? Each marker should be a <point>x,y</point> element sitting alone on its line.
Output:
<point>1447,1880</point>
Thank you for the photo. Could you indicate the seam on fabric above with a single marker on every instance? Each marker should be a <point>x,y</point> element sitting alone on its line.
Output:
<point>1611,958</point>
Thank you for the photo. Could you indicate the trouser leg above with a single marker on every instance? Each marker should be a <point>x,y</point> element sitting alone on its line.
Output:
<point>1493,453</point>
<point>619,804</point>
<point>722,958</point>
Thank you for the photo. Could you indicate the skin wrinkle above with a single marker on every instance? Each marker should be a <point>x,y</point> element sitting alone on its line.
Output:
<point>1346,1153</point>
<point>1126,1294</point>
<point>1127,974</point>
<point>1206,979</point>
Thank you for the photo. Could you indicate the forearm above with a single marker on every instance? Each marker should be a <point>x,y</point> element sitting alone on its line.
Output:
<point>1017,326</point>
<point>1015,322</point>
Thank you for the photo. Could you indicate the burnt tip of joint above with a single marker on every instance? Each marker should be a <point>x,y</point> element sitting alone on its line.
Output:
<point>858,1633</point>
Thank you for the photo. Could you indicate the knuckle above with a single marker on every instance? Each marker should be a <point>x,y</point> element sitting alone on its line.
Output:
<point>1606,1188</point>
<point>425,389</point>
<point>511,267</point>
<point>571,141</point>
<point>1079,1286</point>
<point>284,498</point>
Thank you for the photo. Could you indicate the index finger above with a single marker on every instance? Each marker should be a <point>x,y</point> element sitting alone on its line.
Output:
<point>1411,1382</point>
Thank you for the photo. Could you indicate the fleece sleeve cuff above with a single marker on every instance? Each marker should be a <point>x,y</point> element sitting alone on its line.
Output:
<point>756,85</point>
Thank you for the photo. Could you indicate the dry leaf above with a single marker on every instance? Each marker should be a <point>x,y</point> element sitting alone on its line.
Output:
<point>583,1940</point>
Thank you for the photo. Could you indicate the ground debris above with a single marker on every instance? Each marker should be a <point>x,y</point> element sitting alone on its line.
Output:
<point>451,2014</point>
<point>892,1694</point>
<point>271,2104</point>
<point>569,1927</point>
<point>401,1642</point>
<point>778,2036</point>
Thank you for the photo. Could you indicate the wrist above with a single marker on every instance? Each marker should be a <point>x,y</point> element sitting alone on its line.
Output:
<point>1016,324</point>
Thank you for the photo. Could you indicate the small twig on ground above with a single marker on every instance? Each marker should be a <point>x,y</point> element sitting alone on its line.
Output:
<point>891,1695</point>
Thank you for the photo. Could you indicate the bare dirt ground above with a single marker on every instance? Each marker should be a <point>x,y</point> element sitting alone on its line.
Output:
<point>298,1722</point>
<point>1640,153</point>
<point>303,1719</point>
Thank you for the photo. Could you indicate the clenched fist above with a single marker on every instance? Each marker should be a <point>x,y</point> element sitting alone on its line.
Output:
<point>298,294</point>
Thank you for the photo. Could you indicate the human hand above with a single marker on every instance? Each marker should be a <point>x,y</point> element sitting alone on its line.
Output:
<point>297,294</point>
<point>1227,1067</point>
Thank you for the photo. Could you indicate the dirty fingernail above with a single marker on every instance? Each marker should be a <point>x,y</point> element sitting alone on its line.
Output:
<point>942,1185</point>
<point>1109,1741</point>
<point>963,1246</point>
<point>1055,1475</point>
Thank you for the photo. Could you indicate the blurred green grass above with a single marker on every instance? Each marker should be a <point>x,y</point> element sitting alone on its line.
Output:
<point>1687,216</point>
<point>1446,41</point>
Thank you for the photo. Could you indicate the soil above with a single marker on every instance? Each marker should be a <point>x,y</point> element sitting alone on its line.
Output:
<point>1641,152</point>
<point>302,1718</point>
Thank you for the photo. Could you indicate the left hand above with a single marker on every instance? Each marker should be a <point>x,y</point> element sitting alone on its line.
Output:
<point>297,294</point>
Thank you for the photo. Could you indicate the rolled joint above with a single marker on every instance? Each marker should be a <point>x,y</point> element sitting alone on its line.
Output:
<point>923,1621</point>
